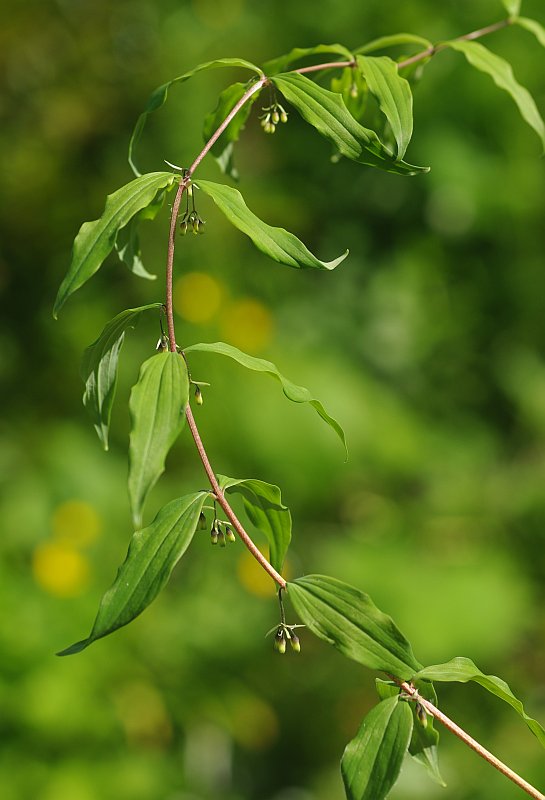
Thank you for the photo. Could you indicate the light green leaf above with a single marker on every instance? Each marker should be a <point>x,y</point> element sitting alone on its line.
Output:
<point>297,394</point>
<point>372,761</point>
<point>327,112</point>
<point>277,243</point>
<point>157,405</point>
<point>424,738</point>
<point>96,239</point>
<point>502,74</point>
<point>222,149</point>
<point>349,620</point>
<point>463,670</point>
<point>394,40</point>
<point>353,89</point>
<point>512,7</point>
<point>153,553</point>
<point>265,510</point>
<point>159,96</point>
<point>99,368</point>
<point>127,244</point>
<point>393,94</point>
<point>534,27</point>
<point>281,63</point>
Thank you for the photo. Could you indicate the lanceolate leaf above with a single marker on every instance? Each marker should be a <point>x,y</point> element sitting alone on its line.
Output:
<point>157,407</point>
<point>534,27</point>
<point>222,149</point>
<point>371,762</point>
<point>501,73</point>
<point>327,112</point>
<point>298,394</point>
<point>99,368</point>
<point>463,670</point>
<point>263,505</point>
<point>394,40</point>
<point>277,243</point>
<point>424,738</point>
<point>96,239</point>
<point>153,554</point>
<point>159,96</point>
<point>127,244</point>
<point>349,620</point>
<point>281,63</point>
<point>393,94</point>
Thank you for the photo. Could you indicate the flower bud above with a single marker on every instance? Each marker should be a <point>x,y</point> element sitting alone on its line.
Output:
<point>162,344</point>
<point>201,524</point>
<point>280,641</point>
<point>198,396</point>
<point>229,535</point>
<point>283,117</point>
<point>354,90</point>
<point>213,536</point>
<point>420,712</point>
<point>275,117</point>
<point>222,538</point>
<point>295,643</point>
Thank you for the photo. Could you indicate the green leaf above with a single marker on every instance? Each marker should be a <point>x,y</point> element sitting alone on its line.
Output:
<point>157,407</point>
<point>349,620</point>
<point>534,27</point>
<point>372,761</point>
<point>222,149</point>
<point>424,738</point>
<point>393,94</point>
<point>159,96</point>
<point>353,89</point>
<point>153,553</point>
<point>327,112</point>
<point>463,670</point>
<point>502,74</point>
<point>96,239</point>
<point>394,40</point>
<point>281,63</point>
<point>297,394</point>
<point>265,510</point>
<point>127,244</point>
<point>512,7</point>
<point>277,243</point>
<point>99,368</point>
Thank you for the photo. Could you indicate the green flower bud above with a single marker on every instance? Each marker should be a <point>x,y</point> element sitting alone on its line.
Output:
<point>201,525</point>
<point>230,536</point>
<point>213,536</point>
<point>275,117</point>
<point>198,396</point>
<point>162,344</point>
<point>183,227</point>
<point>354,90</point>
<point>420,712</point>
<point>280,641</point>
<point>283,117</point>
<point>295,643</point>
<point>222,538</point>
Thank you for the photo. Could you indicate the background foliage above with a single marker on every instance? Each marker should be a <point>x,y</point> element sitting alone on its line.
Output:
<point>427,344</point>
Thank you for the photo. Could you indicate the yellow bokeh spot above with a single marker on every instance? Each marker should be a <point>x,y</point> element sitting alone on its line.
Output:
<point>253,577</point>
<point>143,714</point>
<point>60,569</point>
<point>247,324</point>
<point>76,523</point>
<point>197,297</point>
<point>253,722</point>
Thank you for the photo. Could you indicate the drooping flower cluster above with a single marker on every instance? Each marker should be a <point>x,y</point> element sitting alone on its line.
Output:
<point>274,114</point>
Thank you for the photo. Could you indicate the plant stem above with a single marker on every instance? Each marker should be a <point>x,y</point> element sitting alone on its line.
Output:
<point>467,739</point>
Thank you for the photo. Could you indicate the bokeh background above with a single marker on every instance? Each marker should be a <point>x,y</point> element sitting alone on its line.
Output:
<point>427,344</point>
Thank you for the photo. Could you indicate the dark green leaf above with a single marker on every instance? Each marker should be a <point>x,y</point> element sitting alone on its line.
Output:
<point>159,96</point>
<point>277,243</point>
<point>372,761</point>
<point>96,239</point>
<point>153,554</point>
<point>394,40</point>
<point>157,407</point>
<point>327,112</point>
<point>349,620</point>
<point>263,505</point>
<point>99,368</point>
<point>502,74</point>
<point>281,63</point>
<point>424,738</point>
<point>222,149</point>
<point>127,244</point>
<point>393,94</point>
<point>534,27</point>
<point>512,6</point>
<point>298,394</point>
<point>463,670</point>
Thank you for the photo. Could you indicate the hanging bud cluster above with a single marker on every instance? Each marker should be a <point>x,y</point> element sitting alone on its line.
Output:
<point>274,114</point>
<point>221,533</point>
<point>190,220</point>
<point>284,634</point>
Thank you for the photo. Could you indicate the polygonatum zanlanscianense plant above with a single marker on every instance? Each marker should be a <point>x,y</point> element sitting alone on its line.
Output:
<point>331,94</point>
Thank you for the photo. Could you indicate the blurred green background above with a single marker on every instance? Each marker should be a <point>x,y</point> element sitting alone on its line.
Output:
<point>427,344</point>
